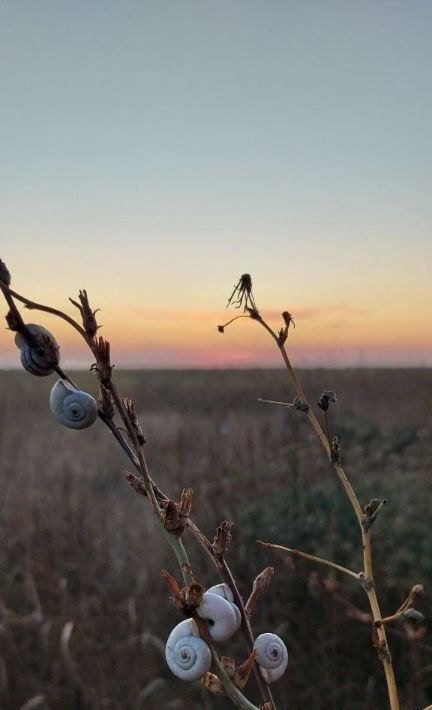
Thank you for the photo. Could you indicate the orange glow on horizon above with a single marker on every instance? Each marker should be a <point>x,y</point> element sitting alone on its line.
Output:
<point>335,335</point>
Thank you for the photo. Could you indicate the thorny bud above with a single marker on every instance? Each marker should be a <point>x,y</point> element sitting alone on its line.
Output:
<point>371,511</point>
<point>243,672</point>
<point>221,328</point>
<point>300,406</point>
<point>102,366</point>
<point>137,484</point>
<point>283,332</point>
<point>242,294</point>
<point>365,583</point>
<point>222,539</point>
<point>327,398</point>
<point>371,507</point>
<point>335,450</point>
<point>133,419</point>
<point>175,515</point>
<point>261,582</point>
<point>288,319</point>
<point>105,402</point>
<point>187,599</point>
<point>4,273</point>
<point>88,316</point>
<point>212,683</point>
<point>191,597</point>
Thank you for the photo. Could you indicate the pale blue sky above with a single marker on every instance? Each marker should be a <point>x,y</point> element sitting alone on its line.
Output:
<point>171,145</point>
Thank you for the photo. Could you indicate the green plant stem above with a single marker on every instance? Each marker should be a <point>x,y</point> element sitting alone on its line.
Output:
<point>231,690</point>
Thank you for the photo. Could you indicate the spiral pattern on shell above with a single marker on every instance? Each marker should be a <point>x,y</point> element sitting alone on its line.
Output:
<point>271,656</point>
<point>187,655</point>
<point>41,357</point>
<point>71,407</point>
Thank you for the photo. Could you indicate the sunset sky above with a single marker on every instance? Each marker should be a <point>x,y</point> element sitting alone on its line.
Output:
<point>154,150</point>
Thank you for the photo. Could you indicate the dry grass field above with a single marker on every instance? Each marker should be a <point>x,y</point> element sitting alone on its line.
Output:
<point>78,545</point>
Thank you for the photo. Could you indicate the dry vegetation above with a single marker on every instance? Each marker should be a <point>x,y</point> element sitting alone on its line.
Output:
<point>78,545</point>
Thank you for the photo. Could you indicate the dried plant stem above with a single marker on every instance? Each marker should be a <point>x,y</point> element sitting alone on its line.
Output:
<point>31,305</point>
<point>382,645</point>
<point>136,456</point>
<point>298,553</point>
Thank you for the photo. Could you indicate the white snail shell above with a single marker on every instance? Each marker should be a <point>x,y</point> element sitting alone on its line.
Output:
<point>41,360</point>
<point>219,614</point>
<point>71,407</point>
<point>224,591</point>
<point>187,655</point>
<point>271,656</point>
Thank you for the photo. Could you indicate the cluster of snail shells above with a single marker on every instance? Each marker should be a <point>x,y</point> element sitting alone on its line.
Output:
<point>71,407</point>
<point>42,356</point>
<point>188,655</point>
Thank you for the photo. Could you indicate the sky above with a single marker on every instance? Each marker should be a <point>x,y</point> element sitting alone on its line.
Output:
<point>154,150</point>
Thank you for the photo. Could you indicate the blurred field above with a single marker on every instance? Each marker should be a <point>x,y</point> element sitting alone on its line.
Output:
<point>77,544</point>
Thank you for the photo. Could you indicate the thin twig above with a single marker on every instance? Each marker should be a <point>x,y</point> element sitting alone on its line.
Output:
<point>313,558</point>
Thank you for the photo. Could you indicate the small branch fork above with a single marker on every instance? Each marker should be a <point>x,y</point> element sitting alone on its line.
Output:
<point>365,518</point>
<point>111,401</point>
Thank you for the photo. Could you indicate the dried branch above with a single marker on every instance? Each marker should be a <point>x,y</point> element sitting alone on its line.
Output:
<point>304,555</point>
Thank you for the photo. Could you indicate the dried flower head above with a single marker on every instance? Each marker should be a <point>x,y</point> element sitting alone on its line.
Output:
<point>327,398</point>
<point>88,316</point>
<point>242,294</point>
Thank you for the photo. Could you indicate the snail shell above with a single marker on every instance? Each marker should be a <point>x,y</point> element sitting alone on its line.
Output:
<point>71,407</point>
<point>271,656</point>
<point>187,655</point>
<point>224,591</point>
<point>42,358</point>
<point>219,614</point>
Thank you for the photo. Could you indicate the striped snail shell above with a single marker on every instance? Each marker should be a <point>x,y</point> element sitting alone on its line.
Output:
<point>187,655</point>
<point>71,407</point>
<point>224,591</point>
<point>41,357</point>
<point>271,656</point>
<point>219,614</point>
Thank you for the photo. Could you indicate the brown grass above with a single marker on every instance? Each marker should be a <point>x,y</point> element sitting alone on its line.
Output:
<point>78,545</point>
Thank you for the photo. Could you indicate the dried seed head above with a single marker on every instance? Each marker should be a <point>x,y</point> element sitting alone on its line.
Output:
<point>327,398</point>
<point>288,319</point>
<point>105,402</point>
<point>101,349</point>
<point>283,332</point>
<point>212,683</point>
<point>137,483</point>
<point>5,276</point>
<point>130,410</point>
<point>222,539</point>
<point>242,294</point>
<point>88,316</point>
